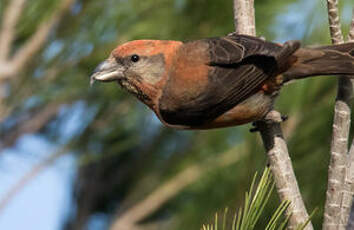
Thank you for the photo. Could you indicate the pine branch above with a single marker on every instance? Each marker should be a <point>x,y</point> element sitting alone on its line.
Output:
<point>281,166</point>
<point>337,200</point>
<point>8,27</point>
<point>351,30</point>
<point>10,66</point>
<point>244,17</point>
<point>347,202</point>
<point>38,39</point>
<point>272,136</point>
<point>334,22</point>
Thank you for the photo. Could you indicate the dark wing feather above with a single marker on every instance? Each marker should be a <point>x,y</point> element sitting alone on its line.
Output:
<point>224,51</point>
<point>239,66</point>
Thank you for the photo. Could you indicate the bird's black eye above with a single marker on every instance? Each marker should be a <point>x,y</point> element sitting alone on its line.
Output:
<point>135,58</point>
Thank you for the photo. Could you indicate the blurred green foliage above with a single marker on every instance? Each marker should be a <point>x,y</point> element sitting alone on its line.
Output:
<point>123,153</point>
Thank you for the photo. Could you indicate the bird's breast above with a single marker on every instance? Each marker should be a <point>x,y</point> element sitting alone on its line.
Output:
<point>188,75</point>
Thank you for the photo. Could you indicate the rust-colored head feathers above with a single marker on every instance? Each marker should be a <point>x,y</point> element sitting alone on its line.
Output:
<point>146,48</point>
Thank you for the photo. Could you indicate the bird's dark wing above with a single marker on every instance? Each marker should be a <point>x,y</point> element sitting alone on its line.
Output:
<point>225,51</point>
<point>239,65</point>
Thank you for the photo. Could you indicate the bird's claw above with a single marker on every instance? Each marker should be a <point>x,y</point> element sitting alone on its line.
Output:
<point>284,117</point>
<point>268,121</point>
<point>254,128</point>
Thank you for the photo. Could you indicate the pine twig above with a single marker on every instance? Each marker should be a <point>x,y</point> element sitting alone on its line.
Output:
<point>282,169</point>
<point>9,66</point>
<point>334,22</point>
<point>336,207</point>
<point>7,32</point>
<point>351,30</point>
<point>347,203</point>
<point>272,136</point>
<point>244,17</point>
<point>38,39</point>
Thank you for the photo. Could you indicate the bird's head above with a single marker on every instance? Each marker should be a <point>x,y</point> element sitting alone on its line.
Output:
<point>137,66</point>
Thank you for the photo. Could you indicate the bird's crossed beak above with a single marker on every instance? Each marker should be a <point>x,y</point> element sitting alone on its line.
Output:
<point>107,71</point>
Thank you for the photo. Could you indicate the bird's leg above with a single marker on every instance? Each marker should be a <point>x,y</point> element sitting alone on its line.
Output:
<point>254,127</point>
<point>284,118</point>
<point>268,119</point>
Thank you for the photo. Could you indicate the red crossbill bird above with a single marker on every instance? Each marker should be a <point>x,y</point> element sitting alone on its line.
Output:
<point>216,82</point>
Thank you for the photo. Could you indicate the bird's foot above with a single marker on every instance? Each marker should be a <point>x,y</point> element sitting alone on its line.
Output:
<point>272,117</point>
<point>284,118</point>
<point>254,127</point>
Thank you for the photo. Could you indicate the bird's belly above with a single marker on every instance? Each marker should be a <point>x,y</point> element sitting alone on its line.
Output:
<point>252,109</point>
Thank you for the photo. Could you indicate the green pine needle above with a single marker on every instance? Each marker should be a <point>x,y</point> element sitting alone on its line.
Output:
<point>255,201</point>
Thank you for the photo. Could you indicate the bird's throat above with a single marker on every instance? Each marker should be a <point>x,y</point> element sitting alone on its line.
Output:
<point>133,88</point>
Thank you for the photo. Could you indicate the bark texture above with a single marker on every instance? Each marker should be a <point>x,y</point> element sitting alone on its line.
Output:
<point>339,194</point>
<point>282,169</point>
<point>275,145</point>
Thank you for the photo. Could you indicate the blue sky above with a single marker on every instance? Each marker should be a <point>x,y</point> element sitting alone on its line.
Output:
<point>45,200</point>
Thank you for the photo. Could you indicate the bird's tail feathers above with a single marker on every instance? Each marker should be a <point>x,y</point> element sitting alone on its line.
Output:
<point>323,60</point>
